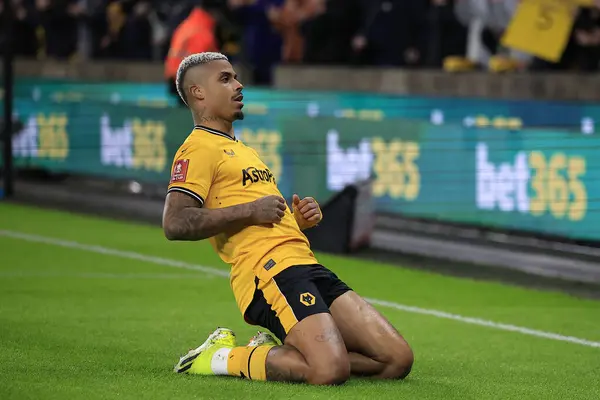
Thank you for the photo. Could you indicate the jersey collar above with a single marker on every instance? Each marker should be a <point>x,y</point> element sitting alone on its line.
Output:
<point>215,132</point>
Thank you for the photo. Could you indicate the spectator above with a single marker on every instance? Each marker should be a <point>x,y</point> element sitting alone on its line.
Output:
<point>172,14</point>
<point>59,20</point>
<point>446,36</point>
<point>328,35</point>
<point>289,22</point>
<point>486,22</point>
<point>583,49</point>
<point>111,44</point>
<point>391,32</point>
<point>137,33</point>
<point>228,33</point>
<point>24,41</point>
<point>261,43</point>
<point>195,34</point>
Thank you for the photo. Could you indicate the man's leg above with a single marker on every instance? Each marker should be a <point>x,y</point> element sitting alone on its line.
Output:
<point>313,352</point>
<point>290,306</point>
<point>376,348</point>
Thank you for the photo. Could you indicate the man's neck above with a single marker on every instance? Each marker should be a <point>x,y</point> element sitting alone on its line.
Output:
<point>216,123</point>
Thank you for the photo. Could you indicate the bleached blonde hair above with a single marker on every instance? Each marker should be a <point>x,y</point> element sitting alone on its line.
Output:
<point>191,61</point>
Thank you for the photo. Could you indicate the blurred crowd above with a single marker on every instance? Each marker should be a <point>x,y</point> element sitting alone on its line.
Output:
<point>263,33</point>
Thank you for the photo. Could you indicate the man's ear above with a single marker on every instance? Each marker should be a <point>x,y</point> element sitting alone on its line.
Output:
<point>197,92</point>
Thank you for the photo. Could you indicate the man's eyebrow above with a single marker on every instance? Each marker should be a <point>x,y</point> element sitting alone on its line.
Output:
<point>228,73</point>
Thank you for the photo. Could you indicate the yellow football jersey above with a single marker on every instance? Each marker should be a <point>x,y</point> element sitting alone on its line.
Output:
<point>220,171</point>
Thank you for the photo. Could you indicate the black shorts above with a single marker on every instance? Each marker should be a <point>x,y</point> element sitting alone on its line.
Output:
<point>292,295</point>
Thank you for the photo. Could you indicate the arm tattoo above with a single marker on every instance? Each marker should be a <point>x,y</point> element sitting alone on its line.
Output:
<point>277,370</point>
<point>184,219</point>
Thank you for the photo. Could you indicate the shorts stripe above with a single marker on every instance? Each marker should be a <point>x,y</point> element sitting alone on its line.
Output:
<point>279,304</point>
<point>286,301</point>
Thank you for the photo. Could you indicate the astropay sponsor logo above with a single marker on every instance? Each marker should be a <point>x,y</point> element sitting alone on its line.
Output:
<point>502,186</point>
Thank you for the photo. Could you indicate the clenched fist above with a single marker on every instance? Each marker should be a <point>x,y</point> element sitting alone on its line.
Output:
<point>267,210</point>
<point>306,212</point>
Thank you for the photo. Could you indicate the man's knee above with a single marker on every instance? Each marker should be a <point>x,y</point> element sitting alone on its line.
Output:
<point>399,362</point>
<point>335,371</point>
<point>319,341</point>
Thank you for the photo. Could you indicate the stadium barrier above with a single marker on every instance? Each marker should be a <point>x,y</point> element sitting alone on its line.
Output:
<point>536,85</point>
<point>482,163</point>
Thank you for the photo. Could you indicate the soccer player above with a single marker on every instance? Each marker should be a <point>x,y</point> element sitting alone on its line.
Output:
<point>220,189</point>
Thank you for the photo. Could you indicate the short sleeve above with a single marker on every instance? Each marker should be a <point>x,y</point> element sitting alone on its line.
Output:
<point>193,171</point>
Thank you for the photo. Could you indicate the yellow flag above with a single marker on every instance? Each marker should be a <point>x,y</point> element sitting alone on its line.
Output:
<point>586,3</point>
<point>541,27</point>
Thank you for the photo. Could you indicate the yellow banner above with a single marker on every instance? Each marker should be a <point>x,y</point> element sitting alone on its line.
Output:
<point>542,27</point>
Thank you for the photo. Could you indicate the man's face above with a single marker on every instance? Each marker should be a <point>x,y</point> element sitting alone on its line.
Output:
<point>223,92</point>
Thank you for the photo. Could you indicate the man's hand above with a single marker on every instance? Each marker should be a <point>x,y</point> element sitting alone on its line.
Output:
<point>306,212</point>
<point>267,210</point>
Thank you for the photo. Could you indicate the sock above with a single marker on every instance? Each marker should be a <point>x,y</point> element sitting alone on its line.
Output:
<point>218,363</point>
<point>248,362</point>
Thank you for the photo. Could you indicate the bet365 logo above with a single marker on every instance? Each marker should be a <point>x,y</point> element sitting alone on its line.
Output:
<point>534,183</point>
<point>138,144</point>
<point>393,164</point>
<point>44,136</point>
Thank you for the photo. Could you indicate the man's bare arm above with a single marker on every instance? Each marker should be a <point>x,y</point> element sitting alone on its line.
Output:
<point>185,219</point>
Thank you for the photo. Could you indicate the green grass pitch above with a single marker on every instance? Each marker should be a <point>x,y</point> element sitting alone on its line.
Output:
<point>88,323</point>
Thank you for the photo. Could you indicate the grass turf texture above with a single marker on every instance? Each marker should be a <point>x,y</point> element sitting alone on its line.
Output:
<point>76,324</point>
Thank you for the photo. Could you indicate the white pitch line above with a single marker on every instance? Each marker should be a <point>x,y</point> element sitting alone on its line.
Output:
<point>98,275</point>
<point>483,322</point>
<point>219,272</point>
<point>113,252</point>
